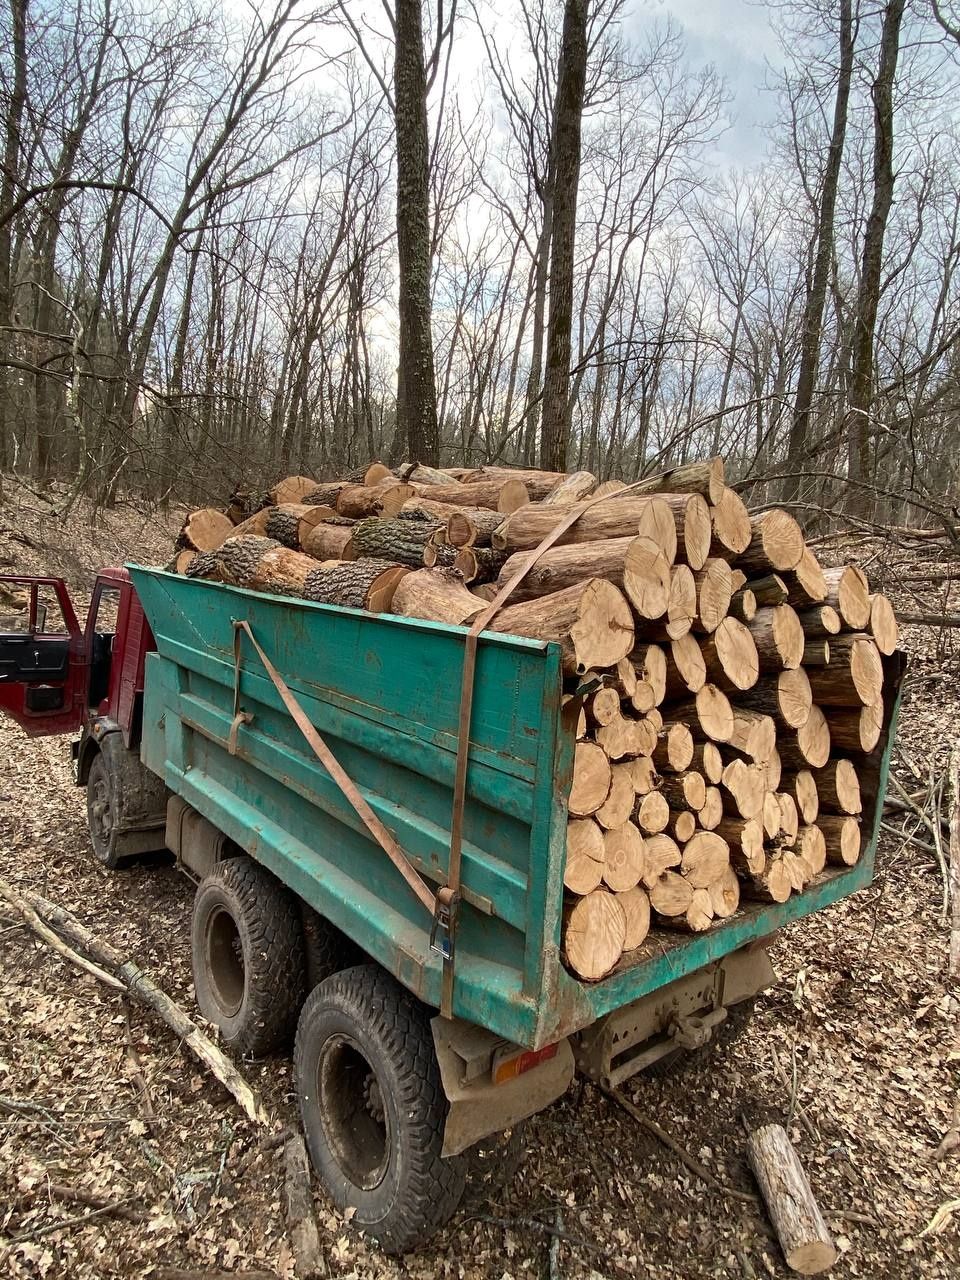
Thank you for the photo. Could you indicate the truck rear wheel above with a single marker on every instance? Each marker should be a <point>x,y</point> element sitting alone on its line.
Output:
<point>373,1107</point>
<point>248,965</point>
<point>101,814</point>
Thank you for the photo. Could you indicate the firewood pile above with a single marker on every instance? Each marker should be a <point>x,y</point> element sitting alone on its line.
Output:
<point>725,690</point>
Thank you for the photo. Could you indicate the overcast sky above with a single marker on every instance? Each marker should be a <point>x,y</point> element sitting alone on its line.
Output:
<point>736,37</point>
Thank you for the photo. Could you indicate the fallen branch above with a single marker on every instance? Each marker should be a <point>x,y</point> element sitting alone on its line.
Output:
<point>955,859</point>
<point>147,992</point>
<point>50,938</point>
<point>301,1219</point>
<point>932,619</point>
<point>803,1234</point>
<point>116,1209</point>
<point>695,1167</point>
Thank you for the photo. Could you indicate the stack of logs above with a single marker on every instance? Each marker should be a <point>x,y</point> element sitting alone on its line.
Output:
<point>724,689</point>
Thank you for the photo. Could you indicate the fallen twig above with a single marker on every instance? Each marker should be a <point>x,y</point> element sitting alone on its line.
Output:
<point>695,1167</point>
<point>955,859</point>
<point>50,938</point>
<point>147,992</point>
<point>115,1208</point>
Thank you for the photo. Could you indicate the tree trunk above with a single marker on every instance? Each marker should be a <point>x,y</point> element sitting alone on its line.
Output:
<point>565,148</point>
<point>417,410</point>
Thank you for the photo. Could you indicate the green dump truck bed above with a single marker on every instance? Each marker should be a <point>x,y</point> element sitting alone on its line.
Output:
<point>385,694</point>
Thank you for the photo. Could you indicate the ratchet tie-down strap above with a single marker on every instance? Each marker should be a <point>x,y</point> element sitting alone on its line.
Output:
<point>444,906</point>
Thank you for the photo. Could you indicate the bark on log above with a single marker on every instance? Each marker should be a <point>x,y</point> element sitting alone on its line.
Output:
<point>706,478</point>
<point>674,750</point>
<point>505,496</point>
<point>436,595</point>
<point>809,746</point>
<point>402,541</point>
<point>803,1234</point>
<point>806,584</point>
<point>708,761</point>
<point>615,517</point>
<point>418,473</point>
<point>684,790</point>
<point>324,495</point>
<point>744,836</point>
<point>591,620</point>
<point>634,564</point>
<point>743,604</point>
<point>769,590</point>
<point>357,584</point>
<point>477,564</point>
<point>292,523</point>
<point>854,676</point>
<point>816,653</point>
<point>594,931</point>
<point>471,526</point>
<point>754,734</point>
<point>261,564</point>
<point>858,729</point>
<point>537,483</point>
<point>773,884</point>
<point>820,622</point>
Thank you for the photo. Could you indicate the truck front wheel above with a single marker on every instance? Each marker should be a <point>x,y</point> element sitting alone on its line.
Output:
<point>248,964</point>
<point>373,1107</point>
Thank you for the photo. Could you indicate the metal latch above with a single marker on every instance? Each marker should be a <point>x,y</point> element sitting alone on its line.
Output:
<point>442,930</point>
<point>696,1030</point>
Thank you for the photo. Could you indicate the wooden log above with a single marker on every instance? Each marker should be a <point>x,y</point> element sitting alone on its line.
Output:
<point>838,787</point>
<point>591,621</point>
<point>744,838</point>
<point>686,671</point>
<point>592,779</point>
<point>803,1234</point>
<point>623,855</point>
<point>819,622</point>
<point>608,486</point>
<point>594,930</point>
<point>883,624</point>
<point>769,591</point>
<point>811,848</point>
<point>292,523</point>
<point>656,522</point>
<point>802,786</point>
<point>708,762</point>
<point>419,473</point>
<point>776,542</point>
<point>570,705</point>
<point>468,526</point>
<point>623,678</point>
<point>730,655</point>
<point>261,564</point>
<point>323,495</point>
<point>708,714</point>
<point>670,894</point>
<point>684,790</point>
<point>301,1216</point>
<point>477,564</point>
<point>754,734</point>
<point>743,604</point>
<point>704,859</point>
<point>858,729</point>
<point>854,676</point>
<point>505,496</point>
<point>778,637</point>
<point>537,483</point>
<point>816,653</point>
<point>743,789</point>
<point>204,530</point>
<point>809,746</point>
<point>725,895</point>
<point>785,697</point>
<point>614,517</point>
<point>636,909</point>
<point>636,565</point>
<point>583,868</point>
<point>682,825</point>
<point>711,815</point>
<point>772,770</point>
<point>773,884</point>
<point>849,593</point>
<point>674,749</point>
<point>661,853</point>
<point>806,584</point>
<point>618,806</point>
<point>655,718</point>
<point>290,489</point>
<point>681,602</point>
<point>572,488</point>
<point>436,595</point>
<point>602,706</point>
<point>784,818</point>
<point>713,594</point>
<point>362,501</point>
<point>841,837</point>
<point>652,813</point>
<point>706,478</point>
<point>326,541</point>
<point>730,526</point>
<point>392,539</point>
<point>359,584</point>
<point>697,918</point>
<point>644,774</point>
<point>649,663</point>
<point>624,737</point>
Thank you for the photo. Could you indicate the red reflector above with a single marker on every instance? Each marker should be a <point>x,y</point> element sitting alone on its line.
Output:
<point>510,1068</point>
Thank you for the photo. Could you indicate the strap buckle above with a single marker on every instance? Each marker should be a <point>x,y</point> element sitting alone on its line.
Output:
<point>443,928</point>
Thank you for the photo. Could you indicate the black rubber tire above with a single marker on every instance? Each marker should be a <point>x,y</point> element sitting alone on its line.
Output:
<point>737,1022</point>
<point>248,962</point>
<point>373,1108</point>
<point>326,949</point>
<point>101,810</point>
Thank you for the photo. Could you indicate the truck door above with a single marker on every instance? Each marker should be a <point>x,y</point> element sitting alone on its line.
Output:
<point>43,664</point>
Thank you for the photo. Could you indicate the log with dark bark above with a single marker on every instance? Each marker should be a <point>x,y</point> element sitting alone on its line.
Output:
<point>477,564</point>
<point>359,584</point>
<point>399,540</point>
<point>471,526</point>
<point>262,564</point>
<point>360,501</point>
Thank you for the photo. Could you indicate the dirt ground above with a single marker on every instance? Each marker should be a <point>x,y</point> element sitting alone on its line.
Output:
<point>857,1049</point>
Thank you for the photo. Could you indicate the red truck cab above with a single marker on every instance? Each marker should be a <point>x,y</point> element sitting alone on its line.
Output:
<point>57,678</point>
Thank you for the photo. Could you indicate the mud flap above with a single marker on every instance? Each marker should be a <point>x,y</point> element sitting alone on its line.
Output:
<point>478,1107</point>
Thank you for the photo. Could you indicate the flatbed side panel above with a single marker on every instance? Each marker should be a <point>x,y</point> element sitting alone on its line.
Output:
<point>385,694</point>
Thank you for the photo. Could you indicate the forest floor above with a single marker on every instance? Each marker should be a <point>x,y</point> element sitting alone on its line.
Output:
<point>857,1049</point>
